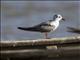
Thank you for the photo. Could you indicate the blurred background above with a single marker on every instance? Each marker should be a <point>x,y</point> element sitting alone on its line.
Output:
<point>28,13</point>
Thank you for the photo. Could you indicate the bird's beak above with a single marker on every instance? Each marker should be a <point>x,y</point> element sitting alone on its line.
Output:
<point>63,19</point>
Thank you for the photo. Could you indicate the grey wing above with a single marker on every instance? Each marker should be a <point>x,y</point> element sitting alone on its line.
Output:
<point>47,28</point>
<point>42,24</point>
<point>44,27</point>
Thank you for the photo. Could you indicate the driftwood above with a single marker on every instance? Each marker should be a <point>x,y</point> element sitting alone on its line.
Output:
<point>40,42</point>
<point>55,47</point>
<point>53,52</point>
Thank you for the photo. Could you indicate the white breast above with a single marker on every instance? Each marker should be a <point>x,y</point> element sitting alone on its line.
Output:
<point>55,24</point>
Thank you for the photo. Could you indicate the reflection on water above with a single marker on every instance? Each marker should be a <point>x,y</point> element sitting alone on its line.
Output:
<point>29,13</point>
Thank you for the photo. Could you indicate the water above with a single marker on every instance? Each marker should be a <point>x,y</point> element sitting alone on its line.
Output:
<point>28,13</point>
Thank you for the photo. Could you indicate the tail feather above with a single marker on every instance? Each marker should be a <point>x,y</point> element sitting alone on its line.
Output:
<point>28,28</point>
<point>23,28</point>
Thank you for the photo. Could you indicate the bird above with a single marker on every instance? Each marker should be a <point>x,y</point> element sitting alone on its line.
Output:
<point>74,30</point>
<point>45,27</point>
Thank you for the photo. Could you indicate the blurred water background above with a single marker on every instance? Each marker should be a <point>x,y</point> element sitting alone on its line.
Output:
<point>28,13</point>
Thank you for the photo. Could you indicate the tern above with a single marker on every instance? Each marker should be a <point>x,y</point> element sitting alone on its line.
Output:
<point>45,27</point>
<point>74,30</point>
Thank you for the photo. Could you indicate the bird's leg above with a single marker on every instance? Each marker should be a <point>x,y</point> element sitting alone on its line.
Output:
<point>46,34</point>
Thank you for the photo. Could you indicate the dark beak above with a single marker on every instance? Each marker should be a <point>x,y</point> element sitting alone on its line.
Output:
<point>63,19</point>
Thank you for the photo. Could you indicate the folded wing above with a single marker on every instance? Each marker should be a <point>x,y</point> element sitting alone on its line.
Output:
<point>42,27</point>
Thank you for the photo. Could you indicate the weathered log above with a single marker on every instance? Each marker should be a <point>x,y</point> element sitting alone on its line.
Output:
<point>40,42</point>
<point>53,52</point>
<point>55,47</point>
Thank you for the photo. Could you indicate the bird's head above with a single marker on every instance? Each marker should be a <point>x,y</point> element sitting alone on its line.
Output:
<point>58,17</point>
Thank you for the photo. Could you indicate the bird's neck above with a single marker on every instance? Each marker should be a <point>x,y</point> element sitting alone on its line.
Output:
<point>57,20</point>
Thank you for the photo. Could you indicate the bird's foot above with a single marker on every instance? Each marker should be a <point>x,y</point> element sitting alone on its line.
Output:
<point>48,38</point>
